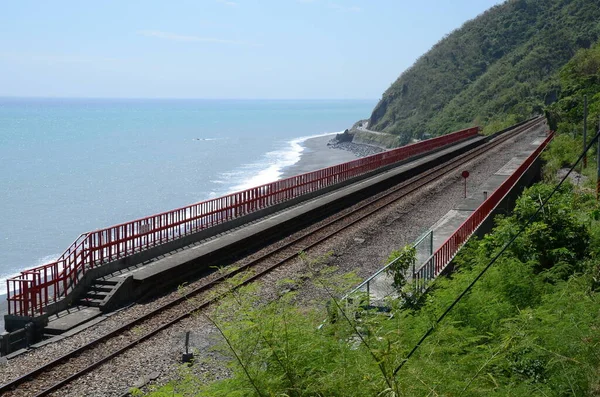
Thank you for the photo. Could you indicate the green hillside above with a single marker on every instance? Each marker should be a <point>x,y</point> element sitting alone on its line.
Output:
<point>496,69</point>
<point>578,78</point>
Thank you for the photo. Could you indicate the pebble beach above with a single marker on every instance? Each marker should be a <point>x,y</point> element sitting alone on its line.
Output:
<point>325,151</point>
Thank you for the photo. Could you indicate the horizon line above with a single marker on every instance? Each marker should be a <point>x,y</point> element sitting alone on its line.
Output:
<point>185,98</point>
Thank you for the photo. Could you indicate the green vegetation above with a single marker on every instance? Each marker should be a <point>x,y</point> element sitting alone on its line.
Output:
<point>381,140</point>
<point>496,69</point>
<point>580,77</point>
<point>529,327</point>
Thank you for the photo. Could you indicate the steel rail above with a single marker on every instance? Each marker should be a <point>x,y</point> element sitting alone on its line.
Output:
<point>412,184</point>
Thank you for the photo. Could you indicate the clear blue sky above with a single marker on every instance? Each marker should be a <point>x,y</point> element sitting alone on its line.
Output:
<point>218,48</point>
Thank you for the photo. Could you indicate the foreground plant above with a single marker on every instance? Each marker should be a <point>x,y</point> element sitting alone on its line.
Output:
<point>528,327</point>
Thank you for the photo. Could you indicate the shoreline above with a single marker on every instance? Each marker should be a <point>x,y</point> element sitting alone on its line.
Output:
<point>325,151</point>
<point>316,155</point>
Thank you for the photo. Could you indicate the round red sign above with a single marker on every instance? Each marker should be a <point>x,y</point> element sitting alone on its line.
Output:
<point>465,174</point>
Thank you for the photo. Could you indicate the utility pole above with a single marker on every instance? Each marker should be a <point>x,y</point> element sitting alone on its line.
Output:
<point>598,163</point>
<point>584,130</point>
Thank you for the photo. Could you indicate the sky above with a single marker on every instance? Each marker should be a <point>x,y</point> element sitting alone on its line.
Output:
<point>246,49</point>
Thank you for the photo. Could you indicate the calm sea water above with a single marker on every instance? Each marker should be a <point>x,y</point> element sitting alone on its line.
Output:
<point>68,166</point>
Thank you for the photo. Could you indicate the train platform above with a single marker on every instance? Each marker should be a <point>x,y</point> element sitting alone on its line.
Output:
<point>446,226</point>
<point>175,268</point>
<point>380,287</point>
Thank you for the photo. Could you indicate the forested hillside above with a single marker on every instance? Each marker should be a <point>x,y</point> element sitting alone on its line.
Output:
<point>496,69</point>
<point>579,78</point>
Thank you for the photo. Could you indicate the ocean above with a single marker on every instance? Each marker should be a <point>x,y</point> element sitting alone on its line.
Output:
<point>69,166</point>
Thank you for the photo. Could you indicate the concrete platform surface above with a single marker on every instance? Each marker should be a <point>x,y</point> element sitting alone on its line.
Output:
<point>510,167</point>
<point>67,320</point>
<point>454,218</point>
<point>477,195</point>
<point>446,226</point>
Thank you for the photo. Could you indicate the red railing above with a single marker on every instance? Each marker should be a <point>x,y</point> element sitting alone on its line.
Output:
<point>35,288</point>
<point>444,254</point>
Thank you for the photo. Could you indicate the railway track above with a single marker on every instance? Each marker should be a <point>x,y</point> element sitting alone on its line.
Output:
<point>63,370</point>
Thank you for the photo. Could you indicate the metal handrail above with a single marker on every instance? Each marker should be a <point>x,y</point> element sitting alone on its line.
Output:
<point>419,240</point>
<point>52,281</point>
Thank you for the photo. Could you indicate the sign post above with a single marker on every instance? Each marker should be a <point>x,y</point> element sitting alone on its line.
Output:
<point>465,175</point>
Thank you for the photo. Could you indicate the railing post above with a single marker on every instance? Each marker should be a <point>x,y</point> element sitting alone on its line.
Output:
<point>431,268</point>
<point>25,299</point>
<point>431,243</point>
<point>8,296</point>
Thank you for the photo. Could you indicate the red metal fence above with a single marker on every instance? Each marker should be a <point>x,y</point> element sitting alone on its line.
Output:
<point>444,254</point>
<point>33,289</point>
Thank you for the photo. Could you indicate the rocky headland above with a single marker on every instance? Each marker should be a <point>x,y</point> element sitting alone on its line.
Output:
<point>357,140</point>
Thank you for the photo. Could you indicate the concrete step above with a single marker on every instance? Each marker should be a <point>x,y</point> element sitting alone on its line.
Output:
<point>97,292</point>
<point>69,319</point>
<point>103,282</point>
<point>101,288</point>
<point>95,295</point>
<point>90,302</point>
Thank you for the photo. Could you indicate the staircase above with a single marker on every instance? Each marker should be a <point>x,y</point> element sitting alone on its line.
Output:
<point>97,293</point>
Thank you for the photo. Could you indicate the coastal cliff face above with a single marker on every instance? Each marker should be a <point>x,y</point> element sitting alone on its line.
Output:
<point>360,134</point>
<point>498,68</point>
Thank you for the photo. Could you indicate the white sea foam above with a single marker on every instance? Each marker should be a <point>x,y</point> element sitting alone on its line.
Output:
<point>3,279</point>
<point>208,139</point>
<point>42,261</point>
<point>269,169</point>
